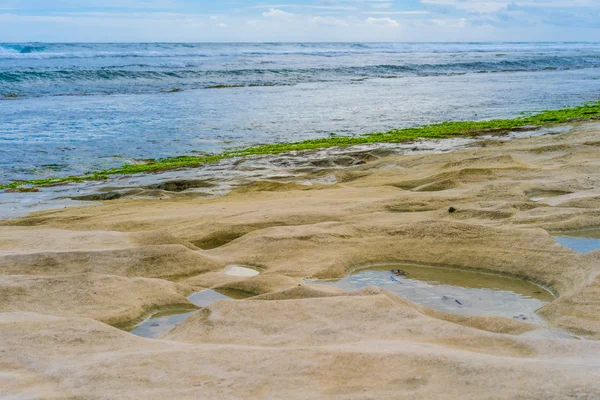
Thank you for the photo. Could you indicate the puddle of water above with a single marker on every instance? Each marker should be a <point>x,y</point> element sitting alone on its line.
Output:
<point>544,195</point>
<point>580,241</point>
<point>238,270</point>
<point>162,322</point>
<point>455,291</point>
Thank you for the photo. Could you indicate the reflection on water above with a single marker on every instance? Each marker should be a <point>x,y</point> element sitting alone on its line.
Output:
<point>455,291</point>
<point>205,298</point>
<point>162,322</point>
<point>580,241</point>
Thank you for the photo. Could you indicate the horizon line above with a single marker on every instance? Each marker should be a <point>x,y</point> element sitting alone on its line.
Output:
<point>304,42</point>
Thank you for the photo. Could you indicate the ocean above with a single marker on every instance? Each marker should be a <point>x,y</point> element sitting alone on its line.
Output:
<point>70,108</point>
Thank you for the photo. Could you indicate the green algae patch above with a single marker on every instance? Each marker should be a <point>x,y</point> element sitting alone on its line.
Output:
<point>435,131</point>
<point>441,130</point>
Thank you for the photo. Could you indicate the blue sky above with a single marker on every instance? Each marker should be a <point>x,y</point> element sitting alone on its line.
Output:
<point>299,20</point>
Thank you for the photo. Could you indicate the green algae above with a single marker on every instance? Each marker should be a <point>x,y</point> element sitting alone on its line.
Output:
<point>441,130</point>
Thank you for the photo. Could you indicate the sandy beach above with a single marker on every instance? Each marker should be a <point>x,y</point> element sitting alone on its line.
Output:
<point>71,277</point>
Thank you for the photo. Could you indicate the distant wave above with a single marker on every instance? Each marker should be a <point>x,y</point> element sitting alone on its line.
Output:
<point>35,51</point>
<point>31,53</point>
<point>7,50</point>
<point>158,54</point>
<point>173,72</point>
<point>48,69</point>
<point>65,51</point>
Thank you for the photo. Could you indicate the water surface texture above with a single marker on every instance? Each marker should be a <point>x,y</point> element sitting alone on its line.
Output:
<point>70,108</point>
<point>161,323</point>
<point>455,291</point>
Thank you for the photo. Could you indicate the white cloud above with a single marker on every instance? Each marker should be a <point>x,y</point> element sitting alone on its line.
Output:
<point>497,5</point>
<point>449,23</point>
<point>479,6</point>
<point>381,5</point>
<point>66,4</point>
<point>328,21</point>
<point>397,12</point>
<point>382,21</point>
<point>492,6</point>
<point>321,20</point>
<point>565,15</point>
<point>307,6</point>
<point>276,13</point>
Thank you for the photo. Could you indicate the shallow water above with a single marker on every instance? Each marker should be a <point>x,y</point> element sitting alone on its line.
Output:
<point>162,322</point>
<point>455,291</point>
<point>580,241</point>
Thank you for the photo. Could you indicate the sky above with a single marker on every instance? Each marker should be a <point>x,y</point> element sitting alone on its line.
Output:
<point>298,20</point>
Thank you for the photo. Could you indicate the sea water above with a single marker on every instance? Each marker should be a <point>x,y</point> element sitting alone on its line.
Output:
<point>70,108</point>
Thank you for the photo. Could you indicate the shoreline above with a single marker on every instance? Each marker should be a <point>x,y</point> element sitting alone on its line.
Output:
<point>587,111</point>
<point>217,179</point>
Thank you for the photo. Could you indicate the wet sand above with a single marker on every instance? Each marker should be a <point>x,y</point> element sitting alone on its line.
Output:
<point>70,277</point>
